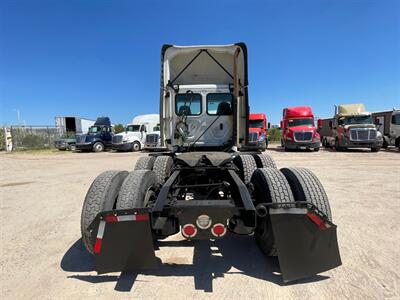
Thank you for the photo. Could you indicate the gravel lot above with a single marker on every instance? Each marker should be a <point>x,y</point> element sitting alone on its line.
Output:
<point>41,255</point>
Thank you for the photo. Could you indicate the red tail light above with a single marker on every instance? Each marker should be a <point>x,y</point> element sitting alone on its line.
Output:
<point>189,230</point>
<point>218,230</point>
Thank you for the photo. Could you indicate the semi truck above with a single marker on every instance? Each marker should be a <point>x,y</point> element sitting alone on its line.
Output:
<point>325,132</point>
<point>298,129</point>
<point>134,136</point>
<point>258,130</point>
<point>98,137</point>
<point>69,127</point>
<point>352,127</point>
<point>388,124</point>
<point>208,184</point>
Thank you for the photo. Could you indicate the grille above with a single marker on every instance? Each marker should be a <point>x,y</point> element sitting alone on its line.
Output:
<point>253,136</point>
<point>303,136</point>
<point>362,134</point>
<point>117,139</point>
<point>152,138</point>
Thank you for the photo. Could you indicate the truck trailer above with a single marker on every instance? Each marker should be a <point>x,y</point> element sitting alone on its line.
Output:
<point>69,128</point>
<point>298,129</point>
<point>208,185</point>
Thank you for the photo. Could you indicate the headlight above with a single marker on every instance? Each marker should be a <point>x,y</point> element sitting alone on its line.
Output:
<point>261,138</point>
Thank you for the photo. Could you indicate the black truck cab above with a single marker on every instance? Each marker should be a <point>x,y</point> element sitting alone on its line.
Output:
<point>98,138</point>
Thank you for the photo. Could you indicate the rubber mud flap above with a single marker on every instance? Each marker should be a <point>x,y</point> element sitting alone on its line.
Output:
<point>123,241</point>
<point>303,248</point>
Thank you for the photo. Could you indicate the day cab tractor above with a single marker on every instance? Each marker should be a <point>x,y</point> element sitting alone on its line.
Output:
<point>298,129</point>
<point>208,184</point>
<point>258,130</point>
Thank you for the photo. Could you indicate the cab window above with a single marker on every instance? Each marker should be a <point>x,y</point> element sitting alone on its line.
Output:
<point>188,104</point>
<point>219,104</point>
<point>396,119</point>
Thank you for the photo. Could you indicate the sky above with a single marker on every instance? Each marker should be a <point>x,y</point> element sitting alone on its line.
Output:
<point>90,58</point>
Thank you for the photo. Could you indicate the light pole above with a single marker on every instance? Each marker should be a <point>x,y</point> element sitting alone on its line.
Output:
<point>18,116</point>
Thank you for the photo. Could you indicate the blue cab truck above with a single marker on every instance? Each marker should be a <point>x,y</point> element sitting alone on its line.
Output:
<point>98,138</point>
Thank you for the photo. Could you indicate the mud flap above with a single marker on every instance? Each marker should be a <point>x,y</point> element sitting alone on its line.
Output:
<point>306,246</point>
<point>123,241</point>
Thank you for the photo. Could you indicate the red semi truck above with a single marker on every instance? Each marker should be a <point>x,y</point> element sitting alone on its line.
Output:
<point>258,130</point>
<point>298,129</point>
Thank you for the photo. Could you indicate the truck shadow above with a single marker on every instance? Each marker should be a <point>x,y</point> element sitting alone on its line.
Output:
<point>211,260</point>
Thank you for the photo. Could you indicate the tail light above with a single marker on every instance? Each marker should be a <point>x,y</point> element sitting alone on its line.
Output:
<point>218,230</point>
<point>189,230</point>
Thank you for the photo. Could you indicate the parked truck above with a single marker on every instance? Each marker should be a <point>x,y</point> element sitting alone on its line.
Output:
<point>69,127</point>
<point>298,129</point>
<point>388,123</point>
<point>206,184</point>
<point>325,132</point>
<point>134,136</point>
<point>98,137</point>
<point>352,127</point>
<point>258,130</point>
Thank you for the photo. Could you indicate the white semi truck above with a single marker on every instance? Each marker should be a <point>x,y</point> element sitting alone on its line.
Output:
<point>388,123</point>
<point>134,136</point>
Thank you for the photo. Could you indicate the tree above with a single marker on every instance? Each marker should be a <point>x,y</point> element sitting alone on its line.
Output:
<point>274,134</point>
<point>119,128</point>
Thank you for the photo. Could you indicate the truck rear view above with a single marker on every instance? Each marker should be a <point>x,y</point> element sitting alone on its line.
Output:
<point>298,129</point>
<point>205,186</point>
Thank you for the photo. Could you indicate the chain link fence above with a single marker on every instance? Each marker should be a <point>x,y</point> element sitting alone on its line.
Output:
<point>32,137</point>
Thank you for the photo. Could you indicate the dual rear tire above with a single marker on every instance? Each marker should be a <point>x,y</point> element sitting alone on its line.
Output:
<point>282,186</point>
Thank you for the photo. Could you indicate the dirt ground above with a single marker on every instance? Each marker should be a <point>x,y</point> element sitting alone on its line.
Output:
<point>41,255</point>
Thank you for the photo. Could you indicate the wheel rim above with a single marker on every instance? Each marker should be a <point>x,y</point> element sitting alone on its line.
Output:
<point>136,147</point>
<point>99,147</point>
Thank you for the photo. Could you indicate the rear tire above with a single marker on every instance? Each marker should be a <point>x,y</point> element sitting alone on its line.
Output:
<point>101,196</point>
<point>163,167</point>
<point>145,163</point>
<point>306,187</point>
<point>264,161</point>
<point>316,149</point>
<point>375,149</point>
<point>247,165</point>
<point>270,186</point>
<point>137,190</point>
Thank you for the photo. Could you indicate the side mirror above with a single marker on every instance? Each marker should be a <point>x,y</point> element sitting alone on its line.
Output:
<point>269,125</point>
<point>281,124</point>
<point>330,124</point>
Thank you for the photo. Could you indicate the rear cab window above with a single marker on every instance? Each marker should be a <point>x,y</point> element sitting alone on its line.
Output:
<point>188,104</point>
<point>220,104</point>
